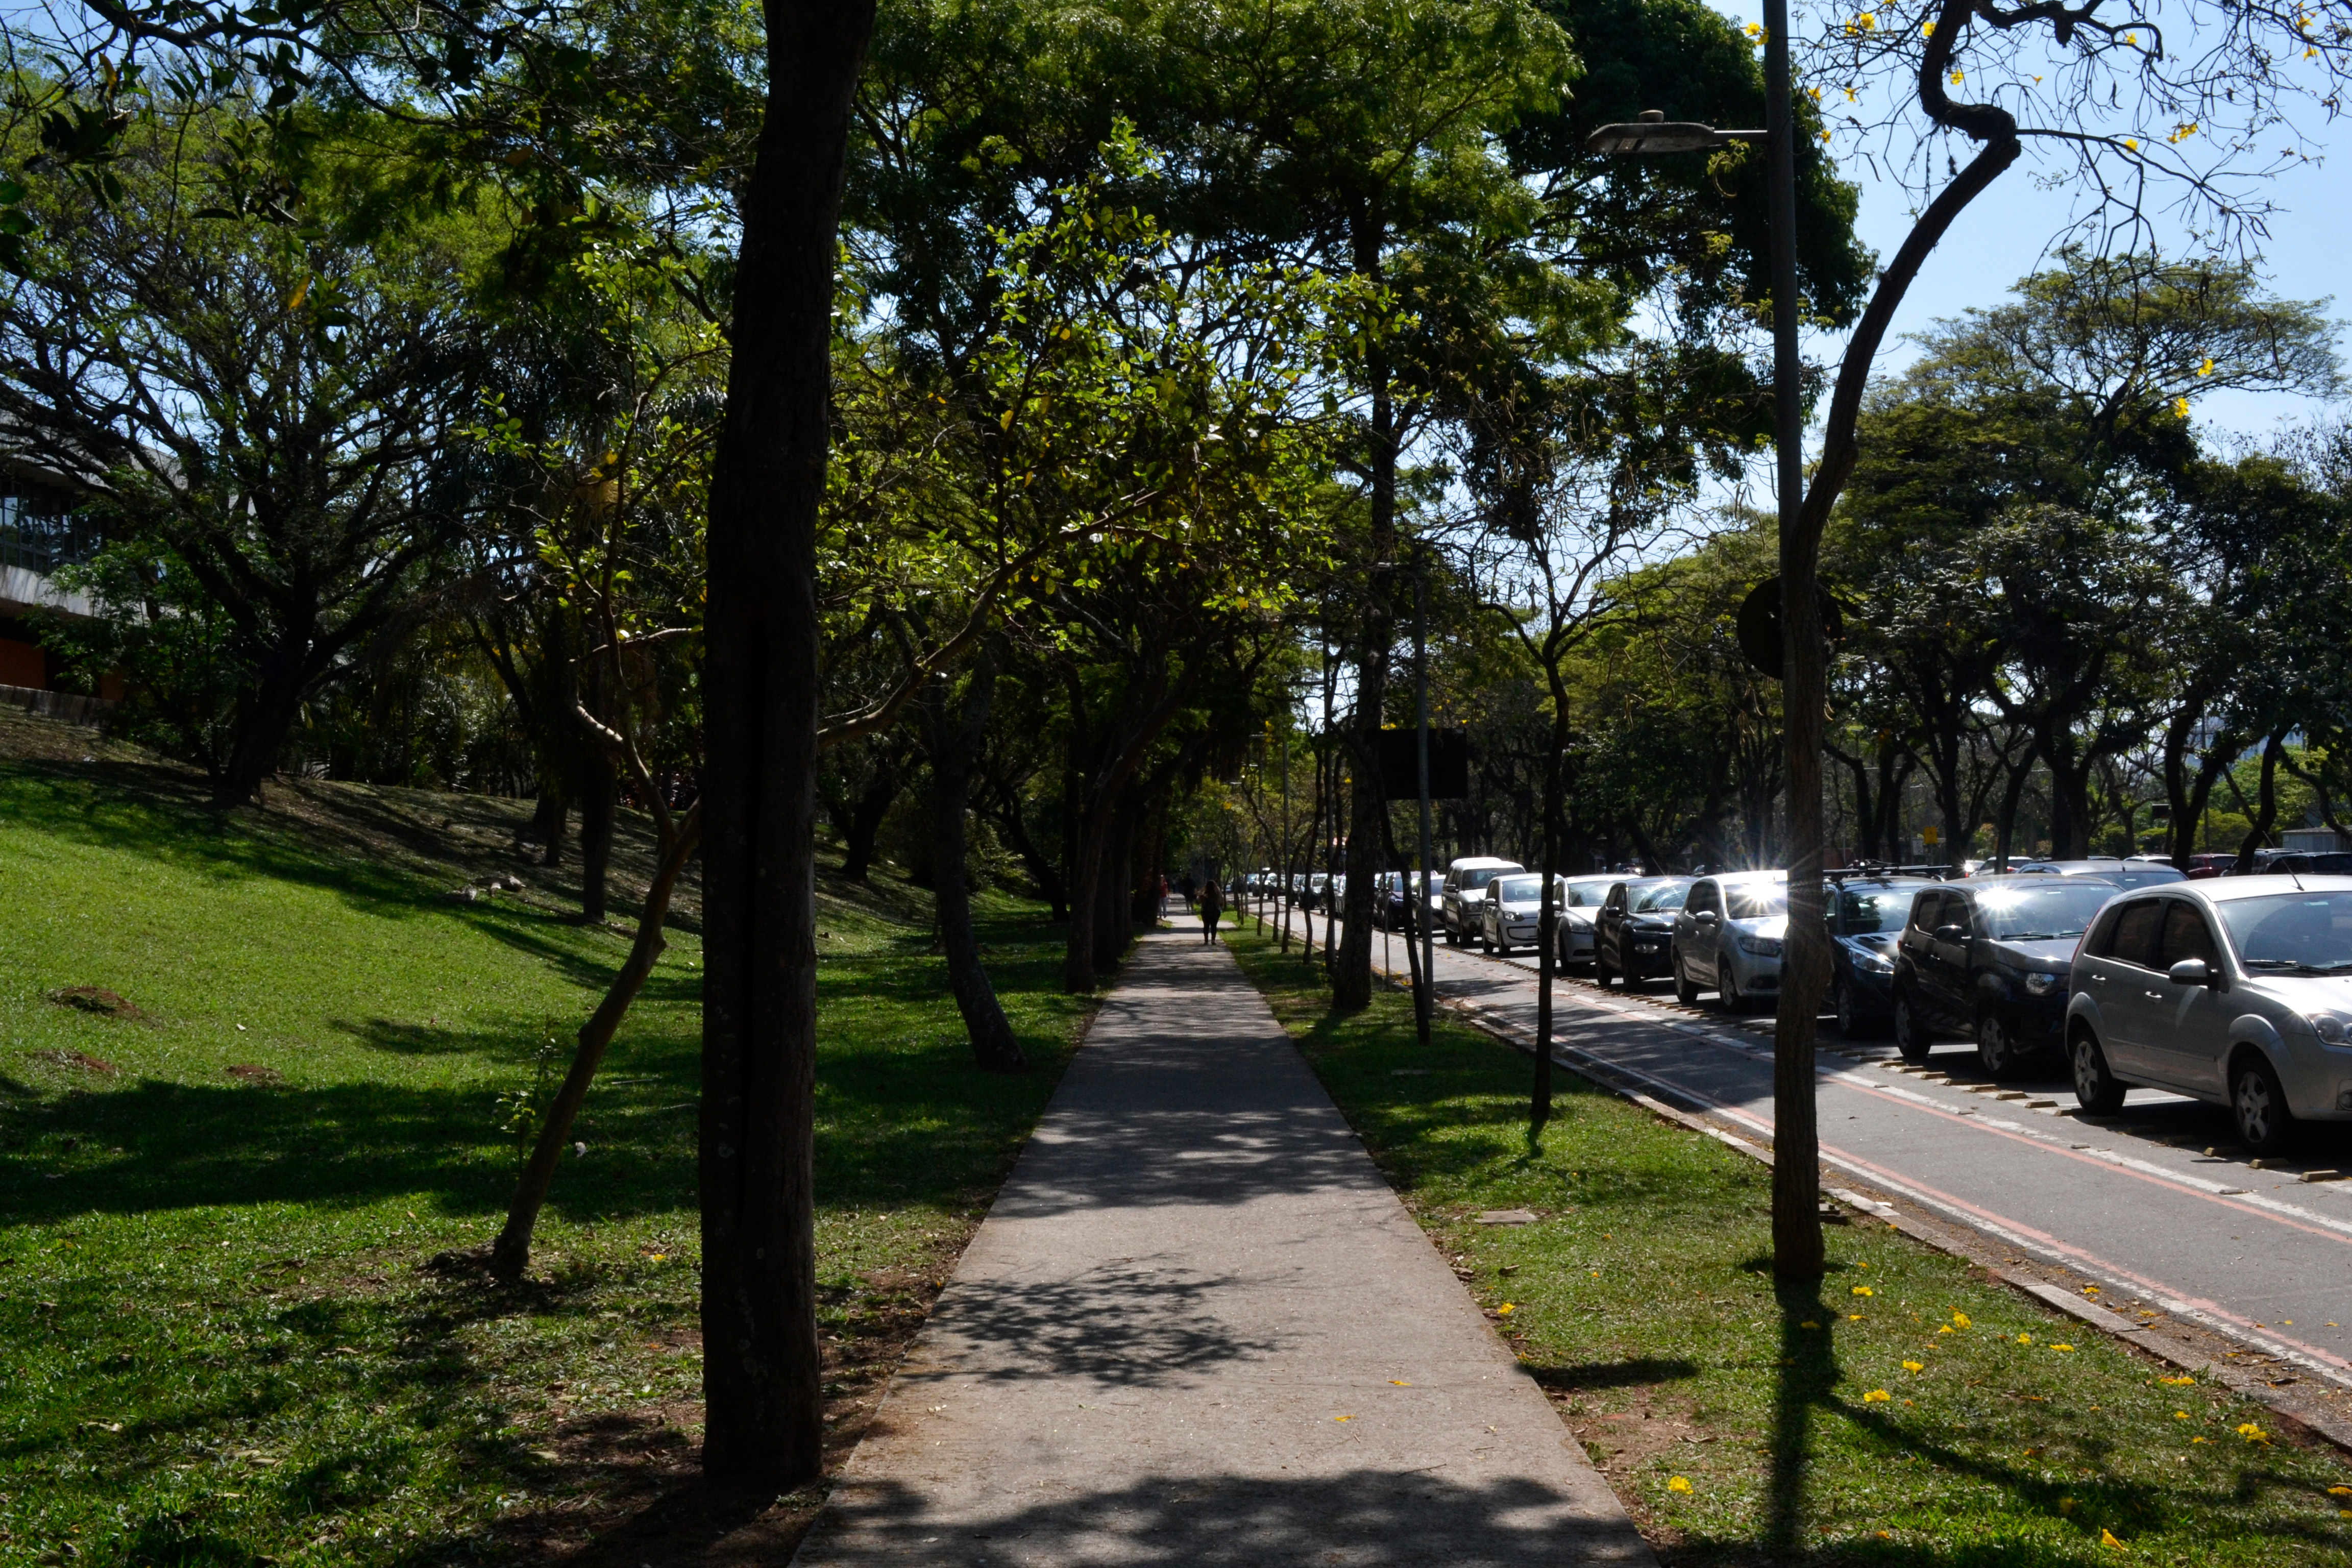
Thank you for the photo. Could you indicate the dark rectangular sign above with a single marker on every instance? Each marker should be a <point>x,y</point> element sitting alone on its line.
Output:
<point>1449,764</point>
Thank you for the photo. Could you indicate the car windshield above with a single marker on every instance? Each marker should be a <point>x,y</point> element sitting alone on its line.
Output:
<point>1482,876</point>
<point>1754,903</point>
<point>1652,898</point>
<point>2303,933</point>
<point>1521,889</point>
<point>1583,895</point>
<point>2063,909</point>
<point>1862,911</point>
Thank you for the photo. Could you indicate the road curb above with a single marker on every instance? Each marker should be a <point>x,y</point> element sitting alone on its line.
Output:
<point>1952,1240</point>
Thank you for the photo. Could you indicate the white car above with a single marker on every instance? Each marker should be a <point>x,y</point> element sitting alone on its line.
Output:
<point>1466,884</point>
<point>1512,911</point>
<point>2236,990</point>
<point>1580,898</point>
<point>1727,937</point>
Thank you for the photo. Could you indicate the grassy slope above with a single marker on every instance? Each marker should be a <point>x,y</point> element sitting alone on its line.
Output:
<point>1644,1302</point>
<point>218,1346</point>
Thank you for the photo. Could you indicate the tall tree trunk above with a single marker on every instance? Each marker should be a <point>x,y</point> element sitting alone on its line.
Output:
<point>597,791</point>
<point>549,819</point>
<point>264,719</point>
<point>952,732</point>
<point>764,1413</point>
<point>862,823</point>
<point>510,1254</point>
<point>2265,816</point>
<point>1015,825</point>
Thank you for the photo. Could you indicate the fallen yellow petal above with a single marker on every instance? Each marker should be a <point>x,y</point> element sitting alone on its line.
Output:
<point>2182,1381</point>
<point>2025,1339</point>
<point>1506,1309</point>
<point>1399,1383</point>
<point>2180,1415</point>
<point>1915,1366</point>
<point>1960,1320</point>
<point>1863,1291</point>
<point>1343,1418</point>
<point>1809,1323</point>
<point>2062,1347</point>
<point>2107,1538</point>
<point>1678,1484</point>
<point>1876,1396</point>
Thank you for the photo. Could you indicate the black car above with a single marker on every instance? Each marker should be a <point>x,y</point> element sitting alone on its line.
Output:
<point>1866,916</point>
<point>2303,862</point>
<point>1631,935</point>
<point>1989,957</point>
<point>1392,905</point>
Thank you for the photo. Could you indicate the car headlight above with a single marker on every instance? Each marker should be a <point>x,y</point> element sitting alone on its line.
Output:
<point>1759,946</point>
<point>2044,985</point>
<point>2332,1027</point>
<point>1871,963</point>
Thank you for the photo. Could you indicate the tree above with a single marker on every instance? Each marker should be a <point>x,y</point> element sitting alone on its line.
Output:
<point>762,681</point>
<point>263,378</point>
<point>2090,87</point>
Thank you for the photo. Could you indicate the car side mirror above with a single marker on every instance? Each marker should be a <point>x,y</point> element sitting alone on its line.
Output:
<point>1951,933</point>
<point>2190,972</point>
<point>1705,918</point>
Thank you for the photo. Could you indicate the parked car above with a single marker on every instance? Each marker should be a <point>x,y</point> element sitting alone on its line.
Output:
<point>1580,898</point>
<point>2122,873</point>
<point>1727,937</point>
<point>1865,915</point>
<point>2303,862</point>
<point>1392,900</point>
<point>1989,958</point>
<point>1511,914</point>
<point>1466,884</point>
<point>1633,932</point>
<point>2199,867</point>
<point>2237,990</point>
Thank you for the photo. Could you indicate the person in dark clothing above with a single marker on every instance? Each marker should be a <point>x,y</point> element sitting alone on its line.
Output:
<point>1213,910</point>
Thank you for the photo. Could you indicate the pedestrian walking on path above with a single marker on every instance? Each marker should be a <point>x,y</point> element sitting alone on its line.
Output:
<point>1212,911</point>
<point>1197,1329</point>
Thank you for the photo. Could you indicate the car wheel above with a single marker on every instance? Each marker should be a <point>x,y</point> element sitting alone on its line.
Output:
<point>1997,1050</point>
<point>1685,992</point>
<point>1599,969</point>
<point>1849,1021</point>
<point>2259,1105</point>
<point>1727,991</point>
<point>2095,1089</point>
<point>1910,1033</point>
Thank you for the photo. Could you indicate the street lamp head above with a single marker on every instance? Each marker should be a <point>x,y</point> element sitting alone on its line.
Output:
<point>1654,133</point>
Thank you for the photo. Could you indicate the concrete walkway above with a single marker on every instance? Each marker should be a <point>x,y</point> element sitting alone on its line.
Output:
<point>1198,1328</point>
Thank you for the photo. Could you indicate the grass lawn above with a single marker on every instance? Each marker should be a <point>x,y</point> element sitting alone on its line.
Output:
<point>217,1345</point>
<point>1910,1410</point>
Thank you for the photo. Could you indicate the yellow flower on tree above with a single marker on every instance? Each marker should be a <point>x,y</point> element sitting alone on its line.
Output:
<point>1958,77</point>
<point>2180,406</point>
<point>2207,368</point>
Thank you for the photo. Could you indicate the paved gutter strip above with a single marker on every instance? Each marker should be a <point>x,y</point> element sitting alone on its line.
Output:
<point>1957,1236</point>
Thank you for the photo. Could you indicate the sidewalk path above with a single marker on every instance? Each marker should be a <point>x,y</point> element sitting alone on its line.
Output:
<point>1197,1327</point>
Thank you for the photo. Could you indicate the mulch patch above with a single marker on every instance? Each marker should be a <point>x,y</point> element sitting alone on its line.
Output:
<point>80,1060</point>
<point>96,999</point>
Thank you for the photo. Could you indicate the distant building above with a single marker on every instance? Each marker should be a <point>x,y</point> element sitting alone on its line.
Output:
<point>40,533</point>
<point>2314,840</point>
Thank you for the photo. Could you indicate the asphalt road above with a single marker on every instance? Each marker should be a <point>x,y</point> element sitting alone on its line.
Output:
<point>2158,1204</point>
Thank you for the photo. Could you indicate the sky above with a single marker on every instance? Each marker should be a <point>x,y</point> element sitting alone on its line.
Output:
<point>2005,234</point>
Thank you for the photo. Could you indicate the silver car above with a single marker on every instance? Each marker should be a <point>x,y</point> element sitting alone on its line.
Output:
<point>1580,898</point>
<point>2237,990</point>
<point>1511,912</point>
<point>1727,938</point>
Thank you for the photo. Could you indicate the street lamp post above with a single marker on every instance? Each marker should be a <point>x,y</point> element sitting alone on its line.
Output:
<point>1796,1174</point>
